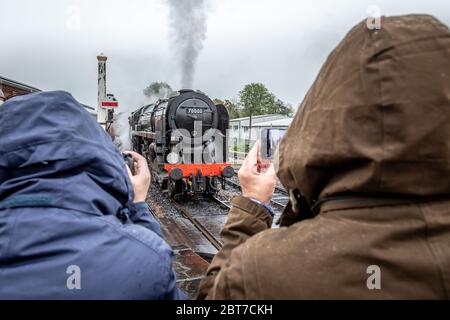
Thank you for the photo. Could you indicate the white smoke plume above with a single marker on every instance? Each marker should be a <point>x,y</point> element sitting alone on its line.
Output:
<point>188,21</point>
<point>121,126</point>
<point>121,130</point>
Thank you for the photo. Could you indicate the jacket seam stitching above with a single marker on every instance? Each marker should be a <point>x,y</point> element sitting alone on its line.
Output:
<point>8,246</point>
<point>370,207</point>
<point>436,260</point>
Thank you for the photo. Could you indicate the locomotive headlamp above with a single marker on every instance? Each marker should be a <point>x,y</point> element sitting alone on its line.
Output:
<point>173,158</point>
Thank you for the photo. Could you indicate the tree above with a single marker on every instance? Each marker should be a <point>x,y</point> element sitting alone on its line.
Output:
<point>233,109</point>
<point>256,99</point>
<point>283,108</point>
<point>218,101</point>
<point>159,90</point>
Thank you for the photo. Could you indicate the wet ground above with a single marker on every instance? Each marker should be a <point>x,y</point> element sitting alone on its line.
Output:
<point>180,224</point>
<point>179,232</point>
<point>191,248</point>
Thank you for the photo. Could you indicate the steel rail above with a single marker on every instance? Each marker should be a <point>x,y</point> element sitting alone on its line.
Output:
<point>211,238</point>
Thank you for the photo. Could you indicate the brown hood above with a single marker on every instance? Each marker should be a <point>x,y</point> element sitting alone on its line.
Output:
<point>377,119</point>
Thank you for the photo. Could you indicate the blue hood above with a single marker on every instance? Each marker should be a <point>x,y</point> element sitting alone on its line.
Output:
<point>65,201</point>
<point>53,153</point>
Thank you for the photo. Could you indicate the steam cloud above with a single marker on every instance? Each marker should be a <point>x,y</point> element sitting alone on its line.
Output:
<point>121,125</point>
<point>188,23</point>
<point>121,130</point>
<point>188,20</point>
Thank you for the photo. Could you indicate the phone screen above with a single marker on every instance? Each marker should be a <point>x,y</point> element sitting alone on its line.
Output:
<point>270,138</point>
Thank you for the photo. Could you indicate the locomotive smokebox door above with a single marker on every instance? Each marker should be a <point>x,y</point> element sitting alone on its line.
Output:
<point>190,107</point>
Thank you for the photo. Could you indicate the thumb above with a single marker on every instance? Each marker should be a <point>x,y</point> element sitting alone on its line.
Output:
<point>129,172</point>
<point>271,171</point>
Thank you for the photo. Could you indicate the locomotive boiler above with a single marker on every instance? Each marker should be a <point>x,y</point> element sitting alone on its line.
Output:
<point>184,140</point>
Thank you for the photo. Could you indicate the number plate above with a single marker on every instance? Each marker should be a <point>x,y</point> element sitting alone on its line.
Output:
<point>194,111</point>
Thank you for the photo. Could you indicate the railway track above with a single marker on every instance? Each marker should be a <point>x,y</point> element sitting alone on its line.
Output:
<point>278,202</point>
<point>217,243</point>
<point>279,199</point>
<point>223,202</point>
<point>192,228</point>
<point>277,188</point>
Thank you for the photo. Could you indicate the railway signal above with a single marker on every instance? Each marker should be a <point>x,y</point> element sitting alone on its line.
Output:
<point>106,102</point>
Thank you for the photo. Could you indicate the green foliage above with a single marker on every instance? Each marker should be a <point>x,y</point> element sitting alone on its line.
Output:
<point>256,99</point>
<point>159,90</point>
<point>283,108</point>
<point>243,147</point>
<point>233,109</point>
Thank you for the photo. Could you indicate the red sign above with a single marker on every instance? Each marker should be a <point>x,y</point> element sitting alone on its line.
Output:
<point>110,104</point>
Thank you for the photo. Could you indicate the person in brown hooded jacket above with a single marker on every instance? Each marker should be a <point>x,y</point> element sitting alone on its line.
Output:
<point>366,162</point>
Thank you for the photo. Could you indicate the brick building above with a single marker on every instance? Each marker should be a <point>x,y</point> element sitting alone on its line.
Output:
<point>10,88</point>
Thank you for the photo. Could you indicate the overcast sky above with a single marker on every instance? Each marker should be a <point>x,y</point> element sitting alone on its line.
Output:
<point>53,44</point>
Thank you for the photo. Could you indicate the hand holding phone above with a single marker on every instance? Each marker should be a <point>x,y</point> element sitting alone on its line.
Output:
<point>257,180</point>
<point>140,178</point>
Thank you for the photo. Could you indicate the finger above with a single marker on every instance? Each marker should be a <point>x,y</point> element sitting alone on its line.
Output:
<point>140,162</point>
<point>135,155</point>
<point>252,158</point>
<point>137,169</point>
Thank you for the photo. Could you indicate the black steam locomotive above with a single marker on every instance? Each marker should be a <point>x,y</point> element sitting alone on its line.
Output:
<point>184,140</point>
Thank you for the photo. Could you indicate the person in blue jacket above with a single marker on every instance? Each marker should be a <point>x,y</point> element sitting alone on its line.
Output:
<point>73,222</point>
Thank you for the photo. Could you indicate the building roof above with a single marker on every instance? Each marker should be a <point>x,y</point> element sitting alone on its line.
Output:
<point>257,119</point>
<point>88,107</point>
<point>26,87</point>
<point>254,117</point>
<point>18,85</point>
<point>275,123</point>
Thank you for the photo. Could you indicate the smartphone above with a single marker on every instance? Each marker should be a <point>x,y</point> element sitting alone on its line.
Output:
<point>270,138</point>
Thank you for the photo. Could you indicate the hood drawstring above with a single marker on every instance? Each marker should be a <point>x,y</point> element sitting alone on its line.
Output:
<point>124,214</point>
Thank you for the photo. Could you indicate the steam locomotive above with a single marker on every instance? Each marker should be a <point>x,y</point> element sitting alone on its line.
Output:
<point>184,140</point>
